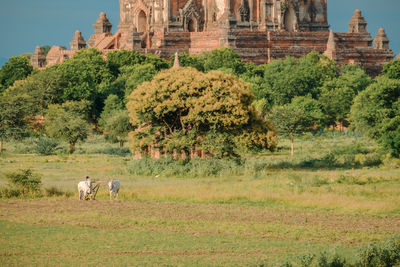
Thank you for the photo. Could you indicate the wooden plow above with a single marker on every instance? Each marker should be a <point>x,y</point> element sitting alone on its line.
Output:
<point>96,188</point>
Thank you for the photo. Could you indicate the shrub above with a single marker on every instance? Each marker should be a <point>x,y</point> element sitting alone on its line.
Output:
<point>168,167</point>
<point>368,160</point>
<point>45,146</point>
<point>10,193</point>
<point>56,192</point>
<point>117,151</point>
<point>25,181</point>
<point>384,254</point>
<point>323,259</point>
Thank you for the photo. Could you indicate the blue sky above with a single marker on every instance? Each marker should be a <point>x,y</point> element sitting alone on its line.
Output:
<point>26,23</point>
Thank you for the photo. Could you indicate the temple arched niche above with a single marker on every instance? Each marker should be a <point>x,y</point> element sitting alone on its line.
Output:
<point>192,25</point>
<point>290,19</point>
<point>142,22</point>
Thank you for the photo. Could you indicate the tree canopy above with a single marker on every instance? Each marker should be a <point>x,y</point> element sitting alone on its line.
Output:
<point>86,77</point>
<point>180,109</point>
<point>15,114</point>
<point>376,111</point>
<point>223,58</point>
<point>68,122</point>
<point>392,69</point>
<point>114,120</point>
<point>285,79</point>
<point>17,68</point>
<point>296,117</point>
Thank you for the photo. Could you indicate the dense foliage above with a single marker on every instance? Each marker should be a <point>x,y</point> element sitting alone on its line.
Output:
<point>24,182</point>
<point>114,120</point>
<point>183,110</point>
<point>313,92</point>
<point>17,68</point>
<point>376,112</point>
<point>15,111</point>
<point>296,118</point>
<point>68,122</point>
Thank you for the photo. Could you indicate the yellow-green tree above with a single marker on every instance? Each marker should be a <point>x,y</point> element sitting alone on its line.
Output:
<point>183,110</point>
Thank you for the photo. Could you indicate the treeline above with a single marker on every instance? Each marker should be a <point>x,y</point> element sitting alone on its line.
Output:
<point>290,96</point>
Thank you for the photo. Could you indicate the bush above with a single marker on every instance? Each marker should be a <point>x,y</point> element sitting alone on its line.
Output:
<point>384,254</point>
<point>169,167</point>
<point>56,192</point>
<point>25,181</point>
<point>368,160</point>
<point>115,151</point>
<point>10,193</point>
<point>45,146</point>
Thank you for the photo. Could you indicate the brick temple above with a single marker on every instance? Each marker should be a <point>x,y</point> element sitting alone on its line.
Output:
<point>258,30</point>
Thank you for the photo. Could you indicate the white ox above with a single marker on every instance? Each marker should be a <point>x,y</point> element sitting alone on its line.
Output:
<point>85,188</point>
<point>114,188</point>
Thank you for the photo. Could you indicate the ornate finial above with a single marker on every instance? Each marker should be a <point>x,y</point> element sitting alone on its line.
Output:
<point>381,32</point>
<point>357,13</point>
<point>176,61</point>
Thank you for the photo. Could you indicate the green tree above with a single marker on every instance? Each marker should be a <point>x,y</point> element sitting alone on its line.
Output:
<point>15,114</point>
<point>117,126</point>
<point>17,68</point>
<point>376,110</point>
<point>122,58</point>
<point>392,69</point>
<point>112,104</point>
<point>390,134</point>
<point>45,87</point>
<point>223,58</point>
<point>296,118</point>
<point>136,75</point>
<point>180,109</point>
<point>86,77</point>
<point>336,102</point>
<point>68,122</point>
<point>186,60</point>
<point>156,61</point>
<point>285,79</point>
<point>337,94</point>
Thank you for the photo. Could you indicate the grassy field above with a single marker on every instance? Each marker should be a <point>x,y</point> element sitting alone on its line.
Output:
<point>336,194</point>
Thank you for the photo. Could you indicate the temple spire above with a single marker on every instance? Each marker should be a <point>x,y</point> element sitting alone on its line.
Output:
<point>176,61</point>
<point>78,42</point>
<point>357,23</point>
<point>381,41</point>
<point>330,51</point>
<point>38,59</point>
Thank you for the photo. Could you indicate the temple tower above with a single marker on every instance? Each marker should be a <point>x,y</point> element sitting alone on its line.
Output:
<point>102,29</point>
<point>38,59</point>
<point>102,24</point>
<point>78,42</point>
<point>381,41</point>
<point>357,23</point>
